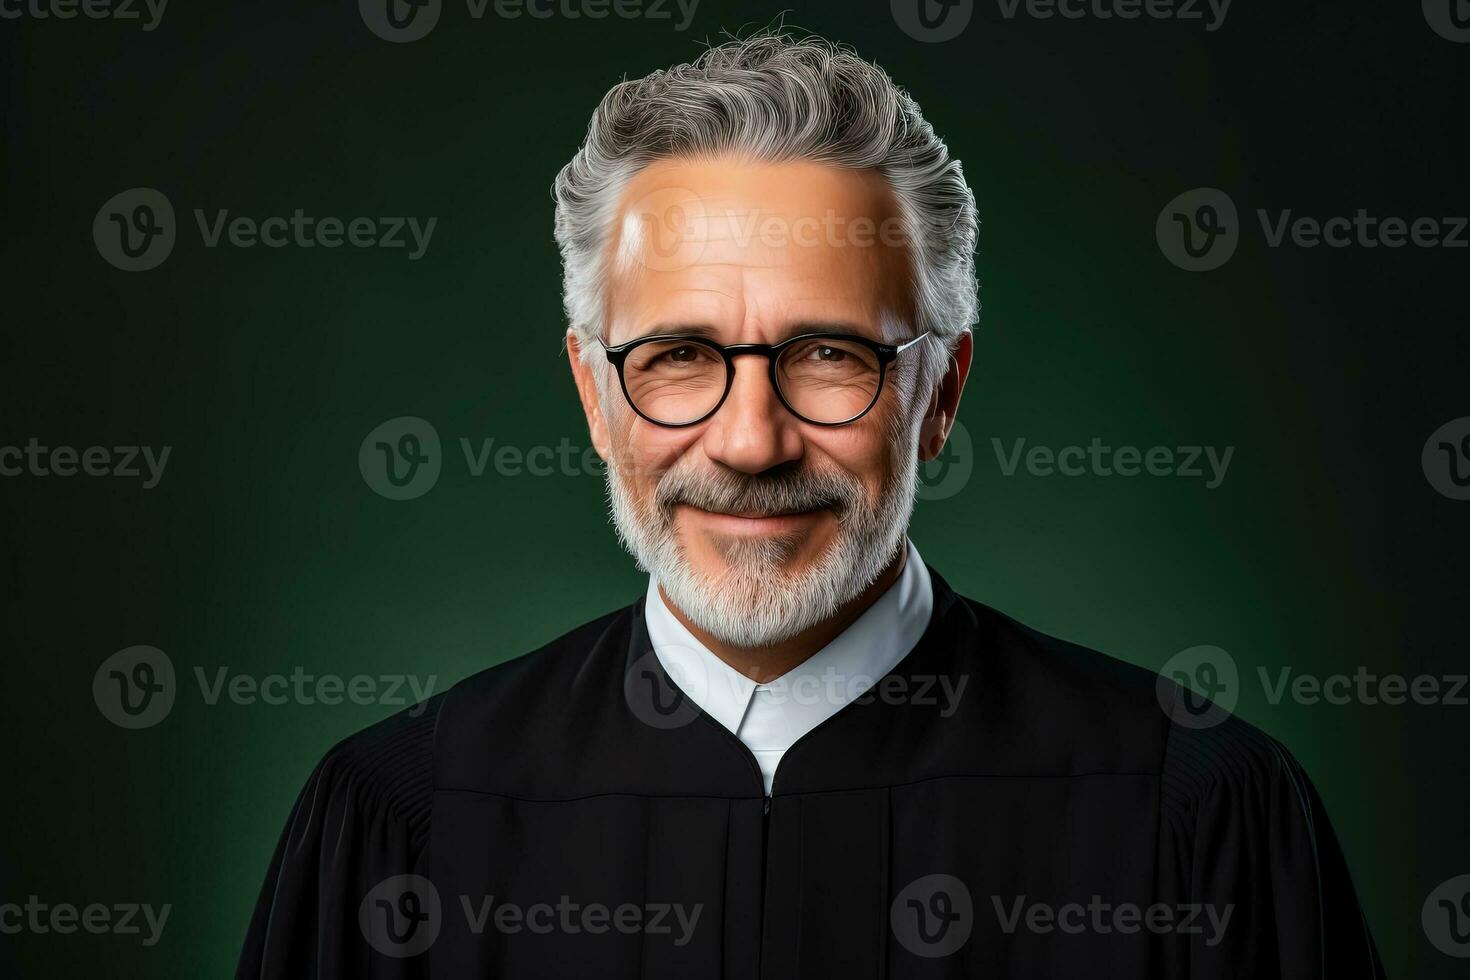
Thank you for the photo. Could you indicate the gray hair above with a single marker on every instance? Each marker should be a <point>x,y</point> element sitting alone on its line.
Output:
<point>774,98</point>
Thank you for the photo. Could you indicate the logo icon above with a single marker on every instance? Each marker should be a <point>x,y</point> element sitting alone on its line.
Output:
<point>401,916</point>
<point>1198,687</point>
<point>135,229</point>
<point>657,698</point>
<point>1198,230</point>
<point>668,229</point>
<point>401,459</point>
<point>1446,917</point>
<point>948,473</point>
<point>1450,19</point>
<point>932,21</point>
<point>135,688</point>
<point>933,916</point>
<point>400,21</point>
<point>1446,459</point>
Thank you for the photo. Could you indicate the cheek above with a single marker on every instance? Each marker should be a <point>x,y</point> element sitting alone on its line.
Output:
<point>645,452</point>
<point>860,450</point>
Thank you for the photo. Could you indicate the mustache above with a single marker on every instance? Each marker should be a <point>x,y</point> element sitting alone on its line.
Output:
<point>783,492</point>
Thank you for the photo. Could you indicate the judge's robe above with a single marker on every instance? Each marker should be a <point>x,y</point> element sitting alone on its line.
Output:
<point>1052,822</point>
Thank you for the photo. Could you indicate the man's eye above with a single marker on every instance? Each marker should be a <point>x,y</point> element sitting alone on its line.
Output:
<point>679,355</point>
<point>826,354</point>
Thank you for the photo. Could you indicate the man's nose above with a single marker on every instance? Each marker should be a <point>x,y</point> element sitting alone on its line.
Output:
<point>752,431</point>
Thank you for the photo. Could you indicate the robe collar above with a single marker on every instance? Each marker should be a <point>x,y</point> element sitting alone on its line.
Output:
<point>770,717</point>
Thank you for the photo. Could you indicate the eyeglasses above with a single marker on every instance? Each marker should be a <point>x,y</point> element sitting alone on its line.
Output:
<point>821,378</point>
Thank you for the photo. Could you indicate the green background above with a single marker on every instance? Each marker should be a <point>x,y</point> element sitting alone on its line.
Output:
<point>263,550</point>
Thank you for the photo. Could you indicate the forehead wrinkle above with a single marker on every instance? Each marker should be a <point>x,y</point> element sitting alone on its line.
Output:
<point>691,309</point>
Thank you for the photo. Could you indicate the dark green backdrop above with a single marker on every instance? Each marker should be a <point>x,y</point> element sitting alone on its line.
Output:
<point>263,550</point>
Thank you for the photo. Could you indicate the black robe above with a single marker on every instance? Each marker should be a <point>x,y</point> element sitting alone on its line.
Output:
<point>568,814</point>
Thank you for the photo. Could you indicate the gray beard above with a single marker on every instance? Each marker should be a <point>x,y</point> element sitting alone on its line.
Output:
<point>756,602</point>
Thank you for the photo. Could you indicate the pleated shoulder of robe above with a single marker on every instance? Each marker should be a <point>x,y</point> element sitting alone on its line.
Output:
<point>1002,804</point>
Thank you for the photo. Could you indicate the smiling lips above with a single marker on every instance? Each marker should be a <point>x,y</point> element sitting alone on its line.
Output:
<point>754,523</point>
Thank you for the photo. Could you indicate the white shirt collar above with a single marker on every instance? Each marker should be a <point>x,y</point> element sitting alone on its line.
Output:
<point>770,717</point>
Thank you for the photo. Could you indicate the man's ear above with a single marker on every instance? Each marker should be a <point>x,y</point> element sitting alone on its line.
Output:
<point>944,402</point>
<point>591,403</point>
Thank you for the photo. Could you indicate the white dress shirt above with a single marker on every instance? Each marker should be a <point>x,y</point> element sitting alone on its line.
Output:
<point>770,717</point>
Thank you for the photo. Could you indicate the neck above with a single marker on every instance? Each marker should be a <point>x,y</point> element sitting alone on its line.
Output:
<point>763,664</point>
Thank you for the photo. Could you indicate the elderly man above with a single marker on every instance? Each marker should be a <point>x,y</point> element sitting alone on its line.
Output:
<point>800,753</point>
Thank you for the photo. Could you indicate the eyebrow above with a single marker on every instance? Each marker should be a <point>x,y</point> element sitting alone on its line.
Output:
<point>709,332</point>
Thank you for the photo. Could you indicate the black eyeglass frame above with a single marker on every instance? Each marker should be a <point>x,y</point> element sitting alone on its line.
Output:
<point>885,353</point>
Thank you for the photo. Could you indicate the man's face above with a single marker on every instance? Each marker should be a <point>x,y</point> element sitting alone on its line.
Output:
<point>753,514</point>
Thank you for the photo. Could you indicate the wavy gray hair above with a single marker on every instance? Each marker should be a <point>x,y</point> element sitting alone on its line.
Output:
<point>774,98</point>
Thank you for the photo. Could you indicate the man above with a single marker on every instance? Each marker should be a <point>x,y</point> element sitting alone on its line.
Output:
<point>801,753</point>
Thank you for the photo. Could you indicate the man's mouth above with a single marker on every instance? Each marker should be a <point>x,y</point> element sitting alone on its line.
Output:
<point>756,522</point>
